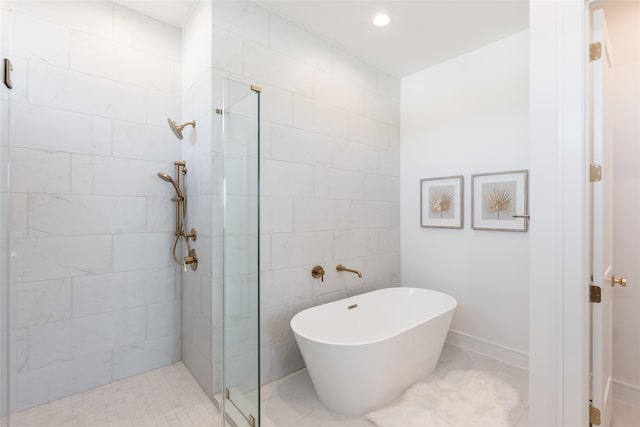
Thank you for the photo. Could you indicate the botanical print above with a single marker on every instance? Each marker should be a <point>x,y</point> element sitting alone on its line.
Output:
<point>499,201</point>
<point>442,203</point>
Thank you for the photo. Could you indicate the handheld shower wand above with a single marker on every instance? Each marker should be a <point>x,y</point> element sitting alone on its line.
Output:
<point>181,214</point>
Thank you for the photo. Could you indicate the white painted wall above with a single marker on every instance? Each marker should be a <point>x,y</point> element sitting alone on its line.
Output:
<point>558,297</point>
<point>469,115</point>
<point>330,167</point>
<point>94,286</point>
<point>622,19</point>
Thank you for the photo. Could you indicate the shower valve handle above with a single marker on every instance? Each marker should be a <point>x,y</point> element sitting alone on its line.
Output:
<point>191,259</point>
<point>193,235</point>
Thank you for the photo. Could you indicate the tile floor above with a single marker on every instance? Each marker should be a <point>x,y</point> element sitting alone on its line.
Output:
<point>170,397</point>
<point>166,397</point>
<point>291,401</point>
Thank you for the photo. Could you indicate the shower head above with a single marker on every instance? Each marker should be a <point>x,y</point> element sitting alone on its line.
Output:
<point>165,177</point>
<point>177,129</point>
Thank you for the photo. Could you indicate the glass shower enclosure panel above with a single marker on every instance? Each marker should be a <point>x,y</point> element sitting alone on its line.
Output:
<point>241,363</point>
<point>4,223</point>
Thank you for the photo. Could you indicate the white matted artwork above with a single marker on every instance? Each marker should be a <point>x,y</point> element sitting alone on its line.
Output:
<point>499,201</point>
<point>441,202</point>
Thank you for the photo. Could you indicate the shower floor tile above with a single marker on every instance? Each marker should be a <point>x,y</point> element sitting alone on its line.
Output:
<point>292,402</point>
<point>168,396</point>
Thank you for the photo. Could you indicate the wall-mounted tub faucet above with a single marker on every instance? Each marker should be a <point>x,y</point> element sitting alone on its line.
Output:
<point>341,267</point>
<point>180,200</point>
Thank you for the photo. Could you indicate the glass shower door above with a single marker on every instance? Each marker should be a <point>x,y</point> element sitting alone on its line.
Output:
<point>241,362</point>
<point>4,223</point>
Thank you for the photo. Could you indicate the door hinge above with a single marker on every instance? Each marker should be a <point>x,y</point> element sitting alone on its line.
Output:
<point>595,173</point>
<point>227,393</point>
<point>595,294</point>
<point>594,415</point>
<point>595,51</point>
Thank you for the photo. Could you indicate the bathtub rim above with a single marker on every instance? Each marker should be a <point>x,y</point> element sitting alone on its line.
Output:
<point>449,309</point>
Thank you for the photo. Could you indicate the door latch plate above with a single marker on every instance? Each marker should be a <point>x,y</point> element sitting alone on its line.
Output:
<point>595,294</point>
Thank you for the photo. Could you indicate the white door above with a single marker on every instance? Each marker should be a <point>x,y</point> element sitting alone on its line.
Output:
<point>602,217</point>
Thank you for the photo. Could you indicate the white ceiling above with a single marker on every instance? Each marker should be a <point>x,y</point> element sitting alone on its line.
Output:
<point>421,33</point>
<point>172,12</point>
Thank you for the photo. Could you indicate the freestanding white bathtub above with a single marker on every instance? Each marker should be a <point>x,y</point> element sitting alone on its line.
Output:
<point>362,352</point>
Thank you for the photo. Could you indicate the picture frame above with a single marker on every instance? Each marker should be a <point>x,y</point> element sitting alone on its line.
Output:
<point>500,201</point>
<point>442,202</point>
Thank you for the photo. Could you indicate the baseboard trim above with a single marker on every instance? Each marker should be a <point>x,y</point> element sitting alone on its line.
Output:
<point>495,351</point>
<point>625,392</point>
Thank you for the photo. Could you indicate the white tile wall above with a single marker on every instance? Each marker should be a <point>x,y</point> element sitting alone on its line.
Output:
<point>244,18</point>
<point>151,354</point>
<point>297,146</point>
<point>109,292</point>
<point>96,295</point>
<point>317,116</point>
<point>40,40</point>
<point>41,171</point>
<point>44,258</point>
<point>62,215</point>
<point>298,43</point>
<point>59,131</point>
<point>42,302</point>
<point>112,176</point>
<point>146,34</point>
<point>199,152</point>
<point>285,179</point>
<point>274,68</point>
<point>329,169</point>
<point>62,379</point>
<point>145,250</point>
<point>68,90</point>
<point>90,17</point>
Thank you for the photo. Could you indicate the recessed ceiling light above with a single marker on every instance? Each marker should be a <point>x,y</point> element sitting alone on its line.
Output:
<point>381,20</point>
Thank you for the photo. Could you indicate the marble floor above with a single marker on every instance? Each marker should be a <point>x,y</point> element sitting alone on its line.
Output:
<point>165,397</point>
<point>292,402</point>
<point>170,397</point>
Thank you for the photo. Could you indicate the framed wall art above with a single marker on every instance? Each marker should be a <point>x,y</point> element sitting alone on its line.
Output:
<point>499,201</point>
<point>441,202</point>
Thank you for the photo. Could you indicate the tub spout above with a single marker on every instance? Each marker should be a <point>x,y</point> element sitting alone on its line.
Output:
<point>341,267</point>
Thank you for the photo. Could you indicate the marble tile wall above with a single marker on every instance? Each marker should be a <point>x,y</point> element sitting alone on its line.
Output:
<point>199,153</point>
<point>96,296</point>
<point>329,173</point>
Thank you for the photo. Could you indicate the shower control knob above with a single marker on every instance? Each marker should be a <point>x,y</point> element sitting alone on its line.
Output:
<point>318,272</point>
<point>193,235</point>
<point>192,259</point>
